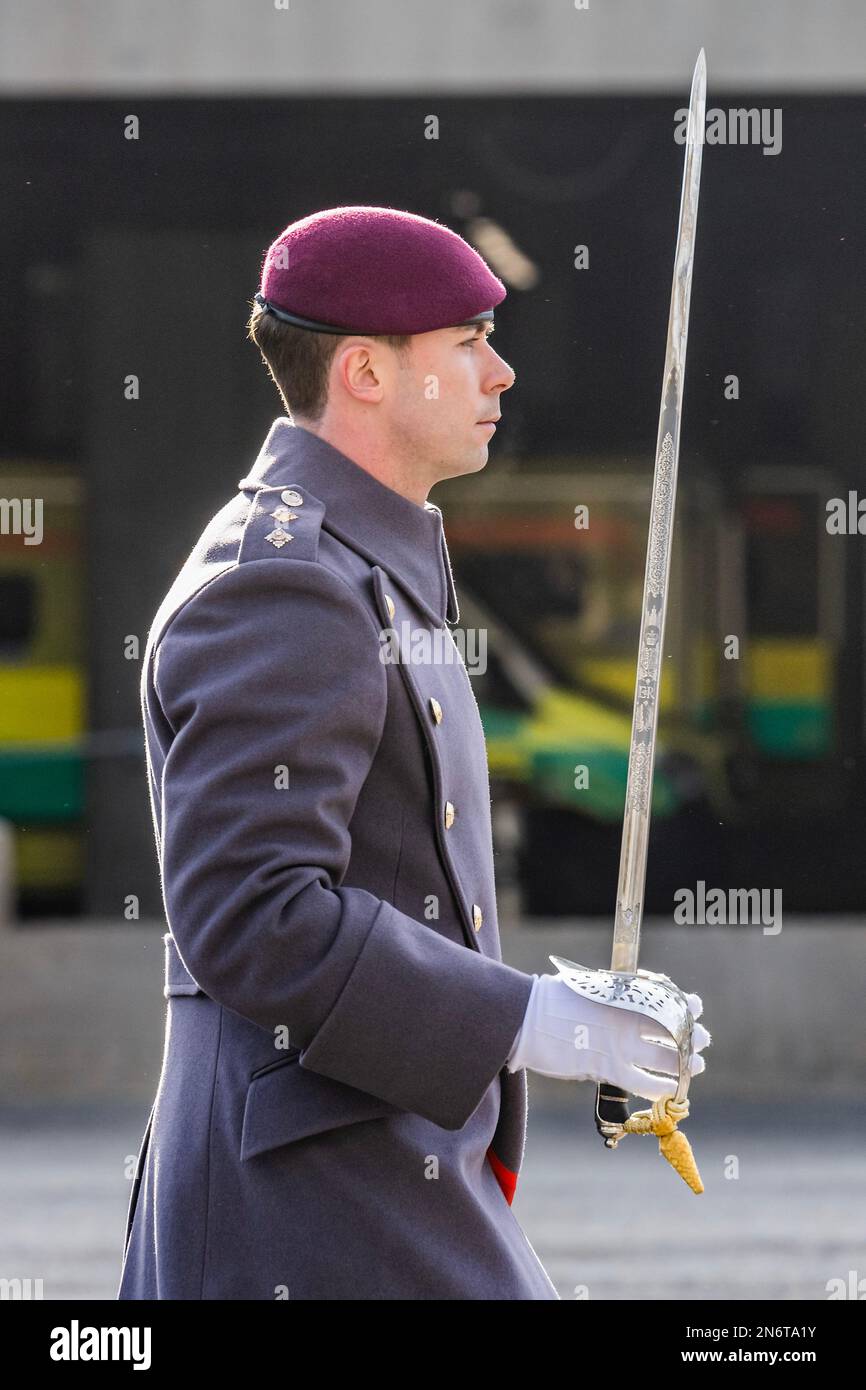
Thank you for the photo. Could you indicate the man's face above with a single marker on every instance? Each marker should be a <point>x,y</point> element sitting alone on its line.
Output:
<point>438,396</point>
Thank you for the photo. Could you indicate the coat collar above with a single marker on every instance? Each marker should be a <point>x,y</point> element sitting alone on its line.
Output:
<point>406,539</point>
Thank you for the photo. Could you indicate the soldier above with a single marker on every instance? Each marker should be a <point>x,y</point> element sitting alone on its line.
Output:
<point>342,1106</point>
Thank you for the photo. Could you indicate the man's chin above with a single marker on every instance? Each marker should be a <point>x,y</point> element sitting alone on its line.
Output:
<point>470,461</point>
<point>477,459</point>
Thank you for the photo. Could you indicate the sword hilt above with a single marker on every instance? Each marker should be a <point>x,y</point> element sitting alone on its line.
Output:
<point>611,1113</point>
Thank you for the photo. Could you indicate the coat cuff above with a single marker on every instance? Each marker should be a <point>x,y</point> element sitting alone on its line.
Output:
<point>421,1022</point>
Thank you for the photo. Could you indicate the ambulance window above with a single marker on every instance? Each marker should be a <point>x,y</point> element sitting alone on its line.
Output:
<point>17,613</point>
<point>782,565</point>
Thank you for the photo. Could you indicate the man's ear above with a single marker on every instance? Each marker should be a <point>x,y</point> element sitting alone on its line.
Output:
<point>357,372</point>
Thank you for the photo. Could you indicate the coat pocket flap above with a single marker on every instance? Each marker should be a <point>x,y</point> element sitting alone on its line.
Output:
<point>286,1102</point>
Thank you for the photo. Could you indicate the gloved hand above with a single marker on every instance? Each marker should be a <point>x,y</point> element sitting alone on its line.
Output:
<point>578,1039</point>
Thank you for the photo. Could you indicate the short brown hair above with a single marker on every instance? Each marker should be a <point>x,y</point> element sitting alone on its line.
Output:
<point>299,359</point>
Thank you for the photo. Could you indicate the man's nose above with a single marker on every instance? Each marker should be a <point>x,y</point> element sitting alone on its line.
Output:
<point>502,376</point>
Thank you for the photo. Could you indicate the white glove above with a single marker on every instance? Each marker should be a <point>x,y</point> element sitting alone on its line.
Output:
<point>578,1039</point>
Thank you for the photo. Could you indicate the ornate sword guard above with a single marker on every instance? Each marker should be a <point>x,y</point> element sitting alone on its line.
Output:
<point>656,997</point>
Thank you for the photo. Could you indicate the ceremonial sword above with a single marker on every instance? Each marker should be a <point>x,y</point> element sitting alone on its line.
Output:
<point>625,986</point>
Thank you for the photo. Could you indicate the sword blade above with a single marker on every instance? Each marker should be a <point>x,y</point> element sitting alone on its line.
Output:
<point>650,661</point>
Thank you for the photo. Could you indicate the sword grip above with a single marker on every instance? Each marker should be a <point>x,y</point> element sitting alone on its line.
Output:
<point>611,1107</point>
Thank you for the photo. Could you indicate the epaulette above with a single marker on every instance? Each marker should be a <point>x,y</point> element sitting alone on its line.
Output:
<point>282,521</point>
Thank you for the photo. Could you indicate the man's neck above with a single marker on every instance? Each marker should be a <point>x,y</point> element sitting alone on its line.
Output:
<point>372,455</point>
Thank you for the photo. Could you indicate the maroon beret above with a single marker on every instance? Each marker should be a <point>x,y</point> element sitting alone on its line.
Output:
<point>375,270</point>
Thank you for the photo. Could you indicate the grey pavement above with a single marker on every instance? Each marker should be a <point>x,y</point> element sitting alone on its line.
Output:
<point>606,1225</point>
<point>623,1225</point>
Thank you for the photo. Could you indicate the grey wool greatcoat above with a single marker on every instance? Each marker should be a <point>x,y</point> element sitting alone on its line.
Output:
<point>334,1118</point>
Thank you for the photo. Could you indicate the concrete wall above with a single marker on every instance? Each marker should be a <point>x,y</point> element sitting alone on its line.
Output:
<point>294,46</point>
<point>82,1010</point>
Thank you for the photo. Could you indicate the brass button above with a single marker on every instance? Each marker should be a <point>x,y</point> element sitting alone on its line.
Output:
<point>292,498</point>
<point>389,604</point>
<point>449,815</point>
<point>437,709</point>
<point>477,917</point>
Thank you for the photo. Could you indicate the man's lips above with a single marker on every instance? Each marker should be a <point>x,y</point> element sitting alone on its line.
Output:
<point>491,422</point>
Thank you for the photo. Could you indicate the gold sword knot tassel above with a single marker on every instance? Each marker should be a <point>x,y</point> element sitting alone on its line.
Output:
<point>662,1120</point>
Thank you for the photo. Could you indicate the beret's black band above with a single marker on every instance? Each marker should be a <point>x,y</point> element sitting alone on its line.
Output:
<point>329,327</point>
<point>297,320</point>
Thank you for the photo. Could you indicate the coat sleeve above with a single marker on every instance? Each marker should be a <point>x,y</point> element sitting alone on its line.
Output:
<point>271,681</point>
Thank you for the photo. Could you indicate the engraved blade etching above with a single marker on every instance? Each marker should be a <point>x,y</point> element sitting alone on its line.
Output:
<point>650,660</point>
